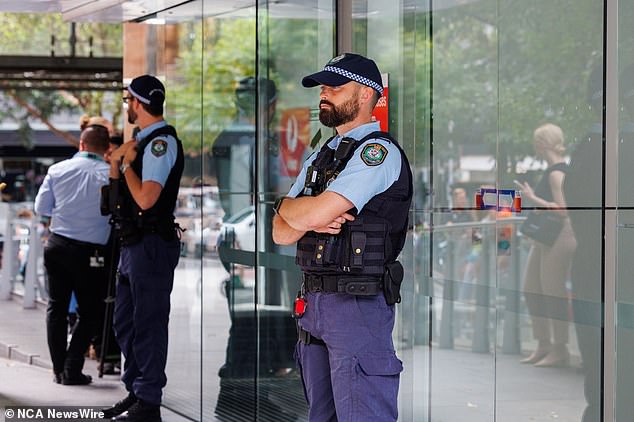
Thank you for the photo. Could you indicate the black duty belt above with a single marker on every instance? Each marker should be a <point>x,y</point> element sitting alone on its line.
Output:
<point>362,286</point>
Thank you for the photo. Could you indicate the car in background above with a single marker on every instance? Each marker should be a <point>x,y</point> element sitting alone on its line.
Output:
<point>238,231</point>
<point>198,211</point>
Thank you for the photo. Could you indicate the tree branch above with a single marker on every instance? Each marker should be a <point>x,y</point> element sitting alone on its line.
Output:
<point>35,113</point>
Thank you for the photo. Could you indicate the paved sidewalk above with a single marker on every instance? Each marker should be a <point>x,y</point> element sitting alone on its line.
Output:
<point>25,368</point>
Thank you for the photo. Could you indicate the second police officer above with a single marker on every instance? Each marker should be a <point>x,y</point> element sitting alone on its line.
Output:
<point>348,213</point>
<point>145,178</point>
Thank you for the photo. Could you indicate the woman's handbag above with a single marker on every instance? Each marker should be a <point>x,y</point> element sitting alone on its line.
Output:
<point>544,227</point>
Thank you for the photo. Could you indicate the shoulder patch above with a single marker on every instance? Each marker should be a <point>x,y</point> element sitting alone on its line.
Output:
<point>373,154</point>
<point>159,147</point>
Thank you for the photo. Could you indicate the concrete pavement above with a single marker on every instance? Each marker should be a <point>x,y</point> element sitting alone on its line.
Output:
<point>26,377</point>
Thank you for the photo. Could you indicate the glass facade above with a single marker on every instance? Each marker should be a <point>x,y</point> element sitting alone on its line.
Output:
<point>497,97</point>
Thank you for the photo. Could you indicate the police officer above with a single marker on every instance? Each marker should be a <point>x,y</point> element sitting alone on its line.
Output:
<point>79,233</point>
<point>348,211</point>
<point>148,171</point>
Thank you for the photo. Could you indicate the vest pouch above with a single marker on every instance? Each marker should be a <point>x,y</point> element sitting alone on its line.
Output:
<point>332,250</point>
<point>365,243</point>
<point>392,282</point>
<point>357,249</point>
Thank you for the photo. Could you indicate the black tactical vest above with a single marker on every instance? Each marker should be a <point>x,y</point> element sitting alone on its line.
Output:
<point>160,217</point>
<point>376,236</point>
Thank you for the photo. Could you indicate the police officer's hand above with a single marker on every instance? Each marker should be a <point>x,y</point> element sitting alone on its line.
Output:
<point>130,155</point>
<point>118,154</point>
<point>334,227</point>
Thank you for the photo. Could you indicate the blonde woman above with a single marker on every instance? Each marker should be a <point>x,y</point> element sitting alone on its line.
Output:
<point>547,266</point>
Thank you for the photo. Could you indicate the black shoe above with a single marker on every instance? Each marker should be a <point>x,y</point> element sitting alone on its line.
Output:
<point>57,378</point>
<point>76,379</point>
<point>119,407</point>
<point>142,412</point>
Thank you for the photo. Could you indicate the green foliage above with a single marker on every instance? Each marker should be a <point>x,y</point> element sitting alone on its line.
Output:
<point>30,34</point>
<point>502,68</point>
<point>215,54</point>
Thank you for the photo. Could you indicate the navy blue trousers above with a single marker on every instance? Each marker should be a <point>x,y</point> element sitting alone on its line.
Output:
<point>141,313</point>
<point>355,377</point>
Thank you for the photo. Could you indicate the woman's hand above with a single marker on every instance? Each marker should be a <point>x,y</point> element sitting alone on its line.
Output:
<point>527,191</point>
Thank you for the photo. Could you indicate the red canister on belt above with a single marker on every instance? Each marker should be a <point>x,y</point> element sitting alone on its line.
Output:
<point>299,308</point>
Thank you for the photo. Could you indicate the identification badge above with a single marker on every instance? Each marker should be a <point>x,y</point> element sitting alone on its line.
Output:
<point>97,261</point>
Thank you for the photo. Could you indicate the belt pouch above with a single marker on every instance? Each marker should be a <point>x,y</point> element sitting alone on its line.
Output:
<point>392,280</point>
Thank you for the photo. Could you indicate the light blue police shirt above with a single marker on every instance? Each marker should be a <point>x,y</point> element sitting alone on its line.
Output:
<point>71,194</point>
<point>157,160</point>
<point>359,182</point>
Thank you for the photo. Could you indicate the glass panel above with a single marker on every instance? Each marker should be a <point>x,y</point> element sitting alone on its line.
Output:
<point>464,242</point>
<point>295,39</point>
<point>177,56</point>
<point>549,287</point>
<point>229,167</point>
<point>394,35</point>
<point>624,407</point>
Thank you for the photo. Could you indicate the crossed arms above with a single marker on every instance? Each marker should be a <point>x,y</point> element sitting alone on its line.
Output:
<point>325,213</point>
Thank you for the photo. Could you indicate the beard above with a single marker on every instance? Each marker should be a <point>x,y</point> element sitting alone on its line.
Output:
<point>132,116</point>
<point>341,114</point>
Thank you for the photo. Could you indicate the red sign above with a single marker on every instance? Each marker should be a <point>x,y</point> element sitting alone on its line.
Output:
<point>380,113</point>
<point>294,137</point>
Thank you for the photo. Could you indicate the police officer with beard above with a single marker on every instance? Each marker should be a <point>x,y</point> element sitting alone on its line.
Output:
<point>145,177</point>
<point>348,213</point>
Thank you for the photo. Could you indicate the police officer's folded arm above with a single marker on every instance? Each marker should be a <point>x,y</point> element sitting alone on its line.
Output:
<point>310,213</point>
<point>283,234</point>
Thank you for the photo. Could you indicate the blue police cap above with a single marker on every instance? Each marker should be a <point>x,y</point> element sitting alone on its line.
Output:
<point>147,89</point>
<point>345,68</point>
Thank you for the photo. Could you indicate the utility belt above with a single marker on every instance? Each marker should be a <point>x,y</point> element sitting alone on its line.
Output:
<point>389,284</point>
<point>360,286</point>
<point>131,231</point>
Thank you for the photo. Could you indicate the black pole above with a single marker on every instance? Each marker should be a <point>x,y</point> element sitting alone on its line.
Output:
<point>73,39</point>
<point>109,300</point>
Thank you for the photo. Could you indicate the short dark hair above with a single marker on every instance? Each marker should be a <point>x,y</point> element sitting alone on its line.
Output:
<point>96,138</point>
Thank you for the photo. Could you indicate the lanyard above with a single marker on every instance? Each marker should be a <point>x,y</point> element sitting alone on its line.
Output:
<point>90,155</point>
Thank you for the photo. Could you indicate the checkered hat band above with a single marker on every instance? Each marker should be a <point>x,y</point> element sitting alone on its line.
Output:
<point>355,77</point>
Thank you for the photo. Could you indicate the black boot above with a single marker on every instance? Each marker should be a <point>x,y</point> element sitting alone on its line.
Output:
<point>142,412</point>
<point>75,378</point>
<point>119,407</point>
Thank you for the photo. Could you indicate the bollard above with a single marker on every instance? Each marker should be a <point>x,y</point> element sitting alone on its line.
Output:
<point>30,276</point>
<point>446,340</point>
<point>8,256</point>
<point>481,324</point>
<point>511,334</point>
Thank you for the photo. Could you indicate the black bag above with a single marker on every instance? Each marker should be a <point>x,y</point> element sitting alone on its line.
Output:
<point>544,227</point>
